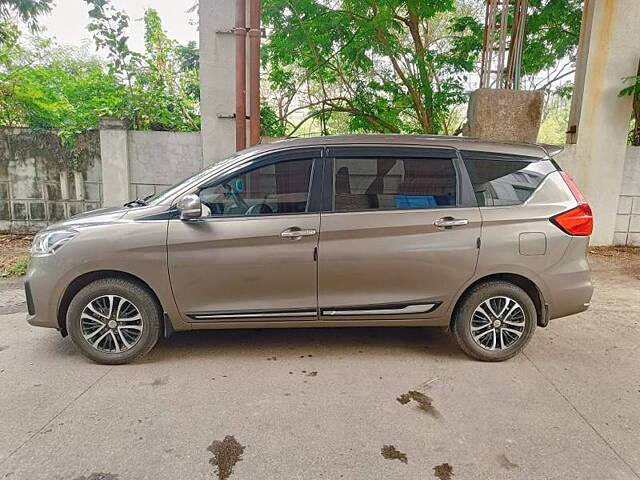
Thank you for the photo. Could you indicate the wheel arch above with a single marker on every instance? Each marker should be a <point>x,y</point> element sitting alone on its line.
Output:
<point>85,279</point>
<point>526,284</point>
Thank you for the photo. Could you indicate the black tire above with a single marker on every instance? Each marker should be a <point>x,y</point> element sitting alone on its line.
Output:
<point>463,318</point>
<point>142,300</point>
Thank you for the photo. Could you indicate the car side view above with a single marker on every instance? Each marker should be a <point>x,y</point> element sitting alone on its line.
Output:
<point>488,239</point>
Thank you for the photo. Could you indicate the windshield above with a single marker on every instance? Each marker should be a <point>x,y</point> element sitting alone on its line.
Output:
<point>166,195</point>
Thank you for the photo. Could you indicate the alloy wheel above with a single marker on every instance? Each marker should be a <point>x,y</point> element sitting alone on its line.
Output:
<point>498,323</point>
<point>111,324</point>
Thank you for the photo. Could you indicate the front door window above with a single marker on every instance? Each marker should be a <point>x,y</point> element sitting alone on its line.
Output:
<point>276,189</point>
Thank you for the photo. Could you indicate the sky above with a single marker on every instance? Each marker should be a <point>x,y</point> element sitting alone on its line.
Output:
<point>68,21</point>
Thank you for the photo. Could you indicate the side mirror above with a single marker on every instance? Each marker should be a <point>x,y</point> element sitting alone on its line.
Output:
<point>189,207</point>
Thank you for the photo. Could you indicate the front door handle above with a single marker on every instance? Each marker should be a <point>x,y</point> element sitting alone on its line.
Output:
<point>448,222</point>
<point>296,233</point>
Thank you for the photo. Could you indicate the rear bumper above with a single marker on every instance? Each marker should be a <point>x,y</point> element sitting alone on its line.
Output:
<point>569,284</point>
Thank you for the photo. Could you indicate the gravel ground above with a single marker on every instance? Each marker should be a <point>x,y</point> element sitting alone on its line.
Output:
<point>368,403</point>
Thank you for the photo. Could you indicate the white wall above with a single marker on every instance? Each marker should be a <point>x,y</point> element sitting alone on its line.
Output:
<point>626,217</point>
<point>160,159</point>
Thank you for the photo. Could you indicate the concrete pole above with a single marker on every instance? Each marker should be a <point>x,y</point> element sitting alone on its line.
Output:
<point>254,72</point>
<point>611,37</point>
<point>240,33</point>
<point>217,89</point>
<point>114,155</point>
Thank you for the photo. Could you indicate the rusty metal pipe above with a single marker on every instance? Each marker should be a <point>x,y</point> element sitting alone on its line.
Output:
<point>240,32</point>
<point>254,72</point>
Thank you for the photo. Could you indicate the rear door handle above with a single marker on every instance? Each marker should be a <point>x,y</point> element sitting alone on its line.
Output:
<point>296,233</point>
<point>448,222</point>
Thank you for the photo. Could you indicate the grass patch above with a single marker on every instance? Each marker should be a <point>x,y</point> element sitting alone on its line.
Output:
<point>14,255</point>
<point>15,268</point>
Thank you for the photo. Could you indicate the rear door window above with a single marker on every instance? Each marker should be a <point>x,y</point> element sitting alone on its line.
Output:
<point>500,180</point>
<point>391,183</point>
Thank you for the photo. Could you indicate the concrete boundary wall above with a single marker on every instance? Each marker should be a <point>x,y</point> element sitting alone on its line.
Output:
<point>627,221</point>
<point>38,185</point>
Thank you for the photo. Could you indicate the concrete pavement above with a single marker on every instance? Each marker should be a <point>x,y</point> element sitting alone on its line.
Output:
<point>322,403</point>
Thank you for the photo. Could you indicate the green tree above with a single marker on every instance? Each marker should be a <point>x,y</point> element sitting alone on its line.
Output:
<point>396,66</point>
<point>162,90</point>
<point>27,10</point>
<point>391,66</point>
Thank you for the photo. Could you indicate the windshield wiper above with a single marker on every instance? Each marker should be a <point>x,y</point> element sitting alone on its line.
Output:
<point>138,202</point>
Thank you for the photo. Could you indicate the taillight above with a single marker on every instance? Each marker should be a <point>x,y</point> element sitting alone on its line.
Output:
<point>579,220</point>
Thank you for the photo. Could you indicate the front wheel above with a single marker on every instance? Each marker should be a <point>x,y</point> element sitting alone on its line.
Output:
<point>494,321</point>
<point>114,321</point>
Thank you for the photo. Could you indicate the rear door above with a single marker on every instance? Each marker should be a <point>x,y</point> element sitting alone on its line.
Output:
<point>399,232</point>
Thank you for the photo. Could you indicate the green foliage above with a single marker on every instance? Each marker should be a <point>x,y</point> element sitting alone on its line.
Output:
<point>53,88</point>
<point>27,10</point>
<point>43,86</point>
<point>633,86</point>
<point>162,84</point>
<point>633,89</point>
<point>553,31</point>
<point>554,126</point>
<point>270,124</point>
<point>391,66</point>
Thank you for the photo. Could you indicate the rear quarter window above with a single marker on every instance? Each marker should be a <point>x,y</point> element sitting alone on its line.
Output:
<point>502,180</point>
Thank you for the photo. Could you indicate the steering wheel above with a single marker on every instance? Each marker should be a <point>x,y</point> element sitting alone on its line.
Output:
<point>258,209</point>
<point>239,201</point>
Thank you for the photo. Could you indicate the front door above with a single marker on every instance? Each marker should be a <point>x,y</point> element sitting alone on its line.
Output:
<point>251,257</point>
<point>398,237</point>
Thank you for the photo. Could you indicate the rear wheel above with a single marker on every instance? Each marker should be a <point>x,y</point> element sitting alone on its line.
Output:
<point>114,321</point>
<point>494,321</point>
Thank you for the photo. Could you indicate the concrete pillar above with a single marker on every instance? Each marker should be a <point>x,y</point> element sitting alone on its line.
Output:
<point>610,50</point>
<point>114,153</point>
<point>78,181</point>
<point>217,87</point>
<point>64,184</point>
<point>505,115</point>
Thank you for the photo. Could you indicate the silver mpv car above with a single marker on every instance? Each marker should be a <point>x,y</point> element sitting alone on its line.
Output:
<point>488,239</point>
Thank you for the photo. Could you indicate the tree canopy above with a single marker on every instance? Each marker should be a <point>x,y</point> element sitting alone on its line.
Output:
<point>394,65</point>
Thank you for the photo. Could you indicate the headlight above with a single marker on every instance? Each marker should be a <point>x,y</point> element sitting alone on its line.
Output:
<point>48,243</point>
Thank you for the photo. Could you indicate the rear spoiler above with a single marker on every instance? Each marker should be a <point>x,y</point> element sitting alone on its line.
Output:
<point>551,150</point>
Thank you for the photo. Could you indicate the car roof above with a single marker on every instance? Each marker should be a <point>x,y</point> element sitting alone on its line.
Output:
<point>459,143</point>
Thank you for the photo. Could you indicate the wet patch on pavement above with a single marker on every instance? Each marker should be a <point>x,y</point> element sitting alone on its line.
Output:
<point>99,476</point>
<point>443,472</point>
<point>424,402</point>
<point>390,452</point>
<point>159,381</point>
<point>226,454</point>
<point>506,463</point>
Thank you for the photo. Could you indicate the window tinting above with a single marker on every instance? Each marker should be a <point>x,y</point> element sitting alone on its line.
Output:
<point>279,188</point>
<point>390,183</point>
<point>498,182</point>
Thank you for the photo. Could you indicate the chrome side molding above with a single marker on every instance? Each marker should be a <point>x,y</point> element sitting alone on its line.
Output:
<point>381,310</point>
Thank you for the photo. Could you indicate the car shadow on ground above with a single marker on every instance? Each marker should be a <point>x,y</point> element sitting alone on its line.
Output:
<point>247,343</point>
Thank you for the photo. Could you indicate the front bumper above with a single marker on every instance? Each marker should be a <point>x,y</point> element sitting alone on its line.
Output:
<point>40,286</point>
